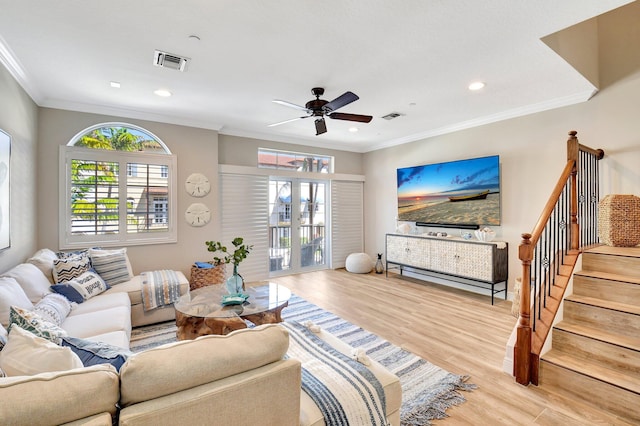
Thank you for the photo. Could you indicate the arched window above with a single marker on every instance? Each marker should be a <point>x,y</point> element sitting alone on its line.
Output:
<point>119,184</point>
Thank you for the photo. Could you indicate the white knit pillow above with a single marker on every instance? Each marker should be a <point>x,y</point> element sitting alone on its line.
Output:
<point>54,308</point>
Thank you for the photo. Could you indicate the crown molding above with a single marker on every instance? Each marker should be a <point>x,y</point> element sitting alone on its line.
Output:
<point>493,118</point>
<point>129,113</point>
<point>11,63</point>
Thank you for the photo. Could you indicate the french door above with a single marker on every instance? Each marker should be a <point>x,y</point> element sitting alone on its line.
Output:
<point>297,225</point>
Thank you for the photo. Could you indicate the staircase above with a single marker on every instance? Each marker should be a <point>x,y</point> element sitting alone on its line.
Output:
<point>595,355</point>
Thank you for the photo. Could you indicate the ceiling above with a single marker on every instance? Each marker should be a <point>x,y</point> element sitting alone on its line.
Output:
<point>415,58</point>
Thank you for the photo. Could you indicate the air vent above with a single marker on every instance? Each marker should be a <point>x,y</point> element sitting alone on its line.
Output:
<point>169,60</point>
<point>392,115</point>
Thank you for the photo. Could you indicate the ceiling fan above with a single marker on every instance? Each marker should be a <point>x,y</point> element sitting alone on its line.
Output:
<point>320,108</point>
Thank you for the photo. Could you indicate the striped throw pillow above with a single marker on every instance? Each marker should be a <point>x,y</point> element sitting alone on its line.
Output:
<point>111,266</point>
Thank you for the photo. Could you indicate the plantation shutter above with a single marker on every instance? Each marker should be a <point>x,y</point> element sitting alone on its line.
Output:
<point>347,228</point>
<point>245,214</point>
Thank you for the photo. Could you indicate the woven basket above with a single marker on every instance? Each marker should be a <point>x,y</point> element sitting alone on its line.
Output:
<point>619,220</point>
<point>201,277</point>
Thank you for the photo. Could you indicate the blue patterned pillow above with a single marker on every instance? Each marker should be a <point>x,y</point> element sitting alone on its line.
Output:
<point>82,288</point>
<point>70,268</point>
<point>92,353</point>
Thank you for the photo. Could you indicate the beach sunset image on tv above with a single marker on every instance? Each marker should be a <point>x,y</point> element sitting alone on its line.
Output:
<point>464,192</point>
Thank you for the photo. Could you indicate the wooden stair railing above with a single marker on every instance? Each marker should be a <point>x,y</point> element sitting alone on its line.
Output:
<point>549,253</point>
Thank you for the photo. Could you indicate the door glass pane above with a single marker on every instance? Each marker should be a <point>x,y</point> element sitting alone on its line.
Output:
<point>312,224</point>
<point>279,225</point>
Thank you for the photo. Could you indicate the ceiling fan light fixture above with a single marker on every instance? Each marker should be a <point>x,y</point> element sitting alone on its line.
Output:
<point>321,126</point>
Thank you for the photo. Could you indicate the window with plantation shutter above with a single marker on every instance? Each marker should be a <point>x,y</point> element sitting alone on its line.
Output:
<point>118,188</point>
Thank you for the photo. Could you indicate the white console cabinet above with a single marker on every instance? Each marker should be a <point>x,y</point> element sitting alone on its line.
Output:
<point>483,264</point>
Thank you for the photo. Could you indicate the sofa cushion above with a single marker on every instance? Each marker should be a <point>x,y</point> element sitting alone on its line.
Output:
<point>69,268</point>
<point>34,323</point>
<point>59,397</point>
<point>105,301</point>
<point>93,353</point>
<point>82,288</point>
<point>43,260</point>
<point>164,370</point>
<point>26,354</point>
<point>119,339</point>
<point>53,308</point>
<point>103,321</point>
<point>112,265</point>
<point>11,294</point>
<point>31,279</point>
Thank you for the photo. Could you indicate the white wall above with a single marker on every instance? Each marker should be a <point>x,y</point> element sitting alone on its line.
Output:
<point>532,149</point>
<point>18,117</point>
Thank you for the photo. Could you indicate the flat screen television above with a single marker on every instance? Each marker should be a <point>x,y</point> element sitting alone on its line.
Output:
<point>463,192</point>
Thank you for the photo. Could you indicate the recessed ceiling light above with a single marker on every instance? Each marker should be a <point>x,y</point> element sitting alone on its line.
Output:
<point>115,84</point>
<point>162,92</point>
<point>353,129</point>
<point>476,85</point>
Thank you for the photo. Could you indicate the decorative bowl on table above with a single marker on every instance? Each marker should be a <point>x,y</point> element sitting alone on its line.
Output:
<point>485,234</point>
<point>234,299</point>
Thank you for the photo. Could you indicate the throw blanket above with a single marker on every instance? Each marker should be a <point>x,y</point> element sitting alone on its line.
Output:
<point>346,391</point>
<point>159,288</point>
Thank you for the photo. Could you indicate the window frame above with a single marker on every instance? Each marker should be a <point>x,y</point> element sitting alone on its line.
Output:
<point>123,237</point>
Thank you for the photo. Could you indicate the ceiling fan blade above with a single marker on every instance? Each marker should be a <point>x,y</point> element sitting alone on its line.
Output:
<point>351,117</point>
<point>288,121</point>
<point>342,100</point>
<point>321,126</point>
<point>291,105</point>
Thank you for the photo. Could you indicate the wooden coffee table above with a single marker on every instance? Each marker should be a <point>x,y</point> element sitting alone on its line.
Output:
<point>200,312</point>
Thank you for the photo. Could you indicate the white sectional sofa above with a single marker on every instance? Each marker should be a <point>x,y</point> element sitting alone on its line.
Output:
<point>244,378</point>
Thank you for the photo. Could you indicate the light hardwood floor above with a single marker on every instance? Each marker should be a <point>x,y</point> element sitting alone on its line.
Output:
<point>455,329</point>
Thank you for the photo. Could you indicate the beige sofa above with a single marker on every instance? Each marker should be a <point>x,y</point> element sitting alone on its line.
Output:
<point>239,379</point>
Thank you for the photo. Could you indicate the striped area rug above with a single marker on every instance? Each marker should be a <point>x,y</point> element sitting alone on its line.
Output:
<point>427,390</point>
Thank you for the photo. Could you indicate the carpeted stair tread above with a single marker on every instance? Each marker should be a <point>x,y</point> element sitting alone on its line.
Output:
<point>606,304</point>
<point>632,343</point>
<point>630,382</point>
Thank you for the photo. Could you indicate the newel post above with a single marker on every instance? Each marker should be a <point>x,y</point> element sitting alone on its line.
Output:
<point>573,152</point>
<point>522,349</point>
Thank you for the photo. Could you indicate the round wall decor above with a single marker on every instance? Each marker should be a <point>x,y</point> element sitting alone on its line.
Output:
<point>197,214</point>
<point>197,185</point>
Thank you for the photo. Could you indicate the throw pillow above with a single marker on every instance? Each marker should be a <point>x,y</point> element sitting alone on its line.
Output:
<point>32,322</point>
<point>31,279</point>
<point>26,354</point>
<point>83,287</point>
<point>3,337</point>
<point>11,294</point>
<point>53,308</point>
<point>68,254</point>
<point>70,268</point>
<point>112,265</point>
<point>92,353</point>
<point>43,260</point>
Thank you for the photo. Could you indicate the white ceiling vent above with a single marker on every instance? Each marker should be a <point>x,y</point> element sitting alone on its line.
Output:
<point>169,60</point>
